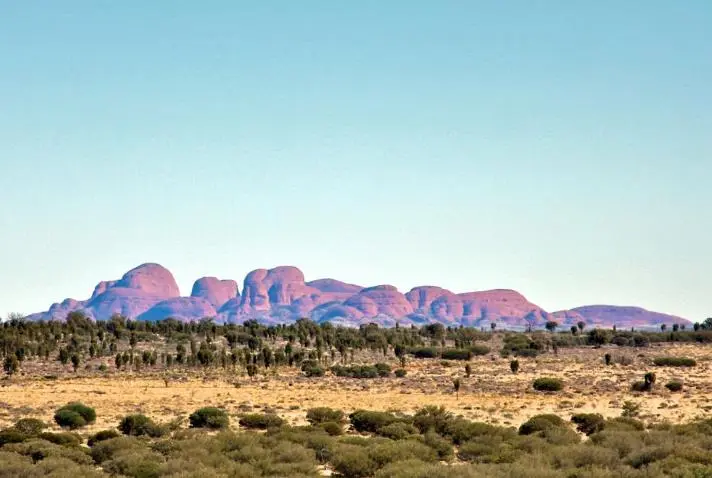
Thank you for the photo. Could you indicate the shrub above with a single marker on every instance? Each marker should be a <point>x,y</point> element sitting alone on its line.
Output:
<point>607,359</point>
<point>102,436</point>
<point>30,426</point>
<point>514,366</point>
<point>261,421</point>
<point>333,428</point>
<point>456,354</point>
<point>209,417</point>
<point>383,369</point>
<point>10,435</point>
<point>371,421</point>
<point>589,423</point>
<point>319,415</point>
<point>674,385</point>
<point>397,430</point>
<point>480,349</point>
<point>547,384</point>
<point>64,439</point>
<point>674,362</point>
<point>540,423</point>
<point>424,352</point>
<point>314,371</point>
<point>74,415</point>
<point>138,425</point>
<point>353,461</point>
<point>400,372</point>
<point>362,371</point>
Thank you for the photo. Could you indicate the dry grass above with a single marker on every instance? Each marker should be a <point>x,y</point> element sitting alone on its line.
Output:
<point>492,394</point>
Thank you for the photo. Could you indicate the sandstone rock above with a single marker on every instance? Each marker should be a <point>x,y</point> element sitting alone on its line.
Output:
<point>438,303</point>
<point>152,279</point>
<point>215,291</point>
<point>381,299</point>
<point>505,306</point>
<point>626,316</point>
<point>185,309</point>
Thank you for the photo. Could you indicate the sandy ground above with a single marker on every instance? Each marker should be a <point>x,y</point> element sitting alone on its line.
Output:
<point>491,394</point>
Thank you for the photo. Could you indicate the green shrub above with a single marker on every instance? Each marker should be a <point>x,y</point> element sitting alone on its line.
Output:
<point>674,362</point>
<point>400,372</point>
<point>442,446</point>
<point>10,435</point>
<point>138,425</point>
<point>383,369</point>
<point>30,426</point>
<point>674,385</point>
<point>319,415</point>
<point>424,352</point>
<point>40,450</point>
<point>74,415</point>
<point>102,436</point>
<point>209,417</point>
<point>333,428</point>
<point>539,423</point>
<point>362,371</point>
<point>456,354</point>
<point>480,349</point>
<point>589,423</point>
<point>261,421</point>
<point>371,421</point>
<point>514,366</point>
<point>353,462</point>
<point>547,384</point>
<point>64,439</point>
<point>314,371</point>
<point>397,430</point>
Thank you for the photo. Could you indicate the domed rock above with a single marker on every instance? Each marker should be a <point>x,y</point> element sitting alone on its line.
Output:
<point>436,302</point>
<point>102,287</point>
<point>215,291</point>
<point>152,279</point>
<point>280,286</point>
<point>626,316</point>
<point>501,305</point>
<point>381,299</point>
<point>123,301</point>
<point>180,308</point>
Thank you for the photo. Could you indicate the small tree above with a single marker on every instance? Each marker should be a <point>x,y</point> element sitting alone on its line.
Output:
<point>75,361</point>
<point>574,330</point>
<point>456,386</point>
<point>514,366</point>
<point>663,327</point>
<point>493,326</point>
<point>11,365</point>
<point>675,327</point>
<point>581,325</point>
<point>551,326</point>
<point>607,358</point>
<point>468,370</point>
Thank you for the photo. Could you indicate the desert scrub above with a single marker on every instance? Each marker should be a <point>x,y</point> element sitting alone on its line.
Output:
<point>371,421</point>
<point>209,417</point>
<point>424,352</point>
<point>400,372</point>
<point>674,362</point>
<point>102,436</point>
<point>74,415</point>
<point>589,423</point>
<point>319,415</point>
<point>138,425</point>
<point>547,384</point>
<point>456,354</point>
<point>674,385</point>
<point>261,421</point>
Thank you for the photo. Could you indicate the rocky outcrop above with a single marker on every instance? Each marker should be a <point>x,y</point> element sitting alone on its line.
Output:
<point>281,295</point>
<point>180,308</point>
<point>217,292</point>
<point>624,316</point>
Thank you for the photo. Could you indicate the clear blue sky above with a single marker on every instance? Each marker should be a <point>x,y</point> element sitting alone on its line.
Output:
<point>563,149</point>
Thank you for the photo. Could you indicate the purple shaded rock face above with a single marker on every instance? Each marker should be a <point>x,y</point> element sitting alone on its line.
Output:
<point>501,305</point>
<point>626,316</point>
<point>215,291</point>
<point>381,299</point>
<point>280,295</point>
<point>152,279</point>
<point>436,302</point>
<point>185,309</point>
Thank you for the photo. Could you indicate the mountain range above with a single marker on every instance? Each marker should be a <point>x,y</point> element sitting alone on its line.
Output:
<point>282,295</point>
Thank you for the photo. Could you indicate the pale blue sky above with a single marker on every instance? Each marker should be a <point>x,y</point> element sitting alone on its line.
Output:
<point>563,149</point>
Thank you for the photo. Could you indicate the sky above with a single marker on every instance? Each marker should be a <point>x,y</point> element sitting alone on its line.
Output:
<point>562,149</point>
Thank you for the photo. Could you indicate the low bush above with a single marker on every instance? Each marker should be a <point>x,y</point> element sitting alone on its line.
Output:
<point>371,421</point>
<point>209,417</point>
<point>10,435</point>
<point>674,385</point>
<point>261,421</point>
<point>314,371</point>
<point>456,354</point>
<point>30,426</point>
<point>424,352</point>
<point>74,415</point>
<point>362,371</point>
<point>674,362</point>
<point>139,425</point>
<point>397,431</point>
<point>540,423</point>
<point>480,349</point>
<point>102,436</point>
<point>333,428</point>
<point>64,439</point>
<point>589,423</point>
<point>548,384</point>
<point>319,415</point>
<point>400,372</point>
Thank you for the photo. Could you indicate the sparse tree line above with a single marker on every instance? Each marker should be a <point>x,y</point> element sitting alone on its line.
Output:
<point>315,348</point>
